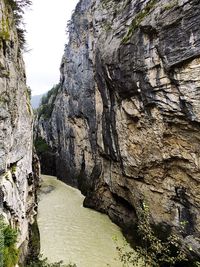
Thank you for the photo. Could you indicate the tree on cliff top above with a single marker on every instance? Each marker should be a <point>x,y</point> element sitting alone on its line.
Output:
<point>17,7</point>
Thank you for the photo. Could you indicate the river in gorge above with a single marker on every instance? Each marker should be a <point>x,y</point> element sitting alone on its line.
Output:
<point>72,233</point>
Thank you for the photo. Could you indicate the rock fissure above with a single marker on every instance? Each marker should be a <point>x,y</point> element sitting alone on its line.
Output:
<point>125,123</point>
<point>18,178</point>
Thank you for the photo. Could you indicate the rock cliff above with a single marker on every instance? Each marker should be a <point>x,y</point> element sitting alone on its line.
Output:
<point>125,123</point>
<point>17,180</point>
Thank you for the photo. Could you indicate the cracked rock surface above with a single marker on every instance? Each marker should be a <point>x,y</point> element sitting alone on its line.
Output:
<point>17,181</point>
<point>126,121</point>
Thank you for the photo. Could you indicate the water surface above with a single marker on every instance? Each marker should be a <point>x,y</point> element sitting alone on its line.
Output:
<point>72,233</point>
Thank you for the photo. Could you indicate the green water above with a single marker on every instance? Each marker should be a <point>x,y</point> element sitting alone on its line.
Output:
<point>72,233</point>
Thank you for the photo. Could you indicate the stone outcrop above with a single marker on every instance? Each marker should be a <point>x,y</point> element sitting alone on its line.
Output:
<point>126,121</point>
<point>17,180</point>
<point>42,136</point>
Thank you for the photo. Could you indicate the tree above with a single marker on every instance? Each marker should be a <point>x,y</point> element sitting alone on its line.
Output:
<point>153,251</point>
<point>17,7</point>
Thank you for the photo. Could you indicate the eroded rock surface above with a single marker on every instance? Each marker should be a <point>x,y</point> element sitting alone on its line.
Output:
<point>125,125</point>
<point>17,181</point>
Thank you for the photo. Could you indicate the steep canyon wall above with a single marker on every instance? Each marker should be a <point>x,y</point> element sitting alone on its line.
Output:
<point>17,180</point>
<point>125,123</point>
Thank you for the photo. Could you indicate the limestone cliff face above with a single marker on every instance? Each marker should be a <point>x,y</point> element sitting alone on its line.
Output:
<point>17,186</point>
<point>125,124</point>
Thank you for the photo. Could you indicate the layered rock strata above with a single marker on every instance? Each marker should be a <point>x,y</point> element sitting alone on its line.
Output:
<point>125,124</point>
<point>17,181</point>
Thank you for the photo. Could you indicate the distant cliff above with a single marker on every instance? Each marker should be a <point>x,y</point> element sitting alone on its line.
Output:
<point>126,121</point>
<point>35,101</point>
<point>17,180</point>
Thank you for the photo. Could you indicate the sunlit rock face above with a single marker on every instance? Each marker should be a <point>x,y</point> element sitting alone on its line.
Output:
<point>126,121</point>
<point>17,187</point>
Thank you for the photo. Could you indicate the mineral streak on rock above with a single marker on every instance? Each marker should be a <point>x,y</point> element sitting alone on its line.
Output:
<point>126,120</point>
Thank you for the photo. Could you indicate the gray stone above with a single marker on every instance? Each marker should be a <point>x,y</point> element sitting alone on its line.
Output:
<point>18,194</point>
<point>125,124</point>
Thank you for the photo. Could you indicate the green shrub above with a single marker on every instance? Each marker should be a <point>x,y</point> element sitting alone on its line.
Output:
<point>8,240</point>
<point>153,251</point>
<point>10,236</point>
<point>41,146</point>
<point>10,256</point>
<point>51,92</point>
<point>17,7</point>
<point>46,107</point>
<point>5,29</point>
<point>45,111</point>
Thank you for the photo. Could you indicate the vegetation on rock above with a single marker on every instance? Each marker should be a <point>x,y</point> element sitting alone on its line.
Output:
<point>9,253</point>
<point>8,250</point>
<point>41,146</point>
<point>138,19</point>
<point>47,102</point>
<point>154,251</point>
<point>17,7</point>
<point>5,29</point>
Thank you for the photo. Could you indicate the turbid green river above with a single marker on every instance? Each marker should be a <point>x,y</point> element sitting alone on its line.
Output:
<point>72,233</point>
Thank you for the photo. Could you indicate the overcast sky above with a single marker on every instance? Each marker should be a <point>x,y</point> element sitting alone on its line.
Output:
<point>46,36</point>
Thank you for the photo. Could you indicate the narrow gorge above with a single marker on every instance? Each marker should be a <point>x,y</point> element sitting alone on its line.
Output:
<point>122,125</point>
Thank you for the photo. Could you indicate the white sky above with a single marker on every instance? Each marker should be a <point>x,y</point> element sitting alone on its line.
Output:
<point>46,36</point>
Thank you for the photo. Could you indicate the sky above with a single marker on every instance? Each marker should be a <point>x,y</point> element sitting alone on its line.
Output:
<point>46,37</point>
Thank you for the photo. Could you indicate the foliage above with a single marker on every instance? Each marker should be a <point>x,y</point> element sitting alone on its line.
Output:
<point>8,239</point>
<point>51,92</point>
<point>11,256</point>
<point>45,111</point>
<point>18,4</point>
<point>17,7</point>
<point>158,252</point>
<point>47,102</point>
<point>127,257</point>
<point>154,252</point>
<point>10,236</point>
<point>41,146</point>
<point>44,263</point>
<point>138,19</point>
<point>5,33</point>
